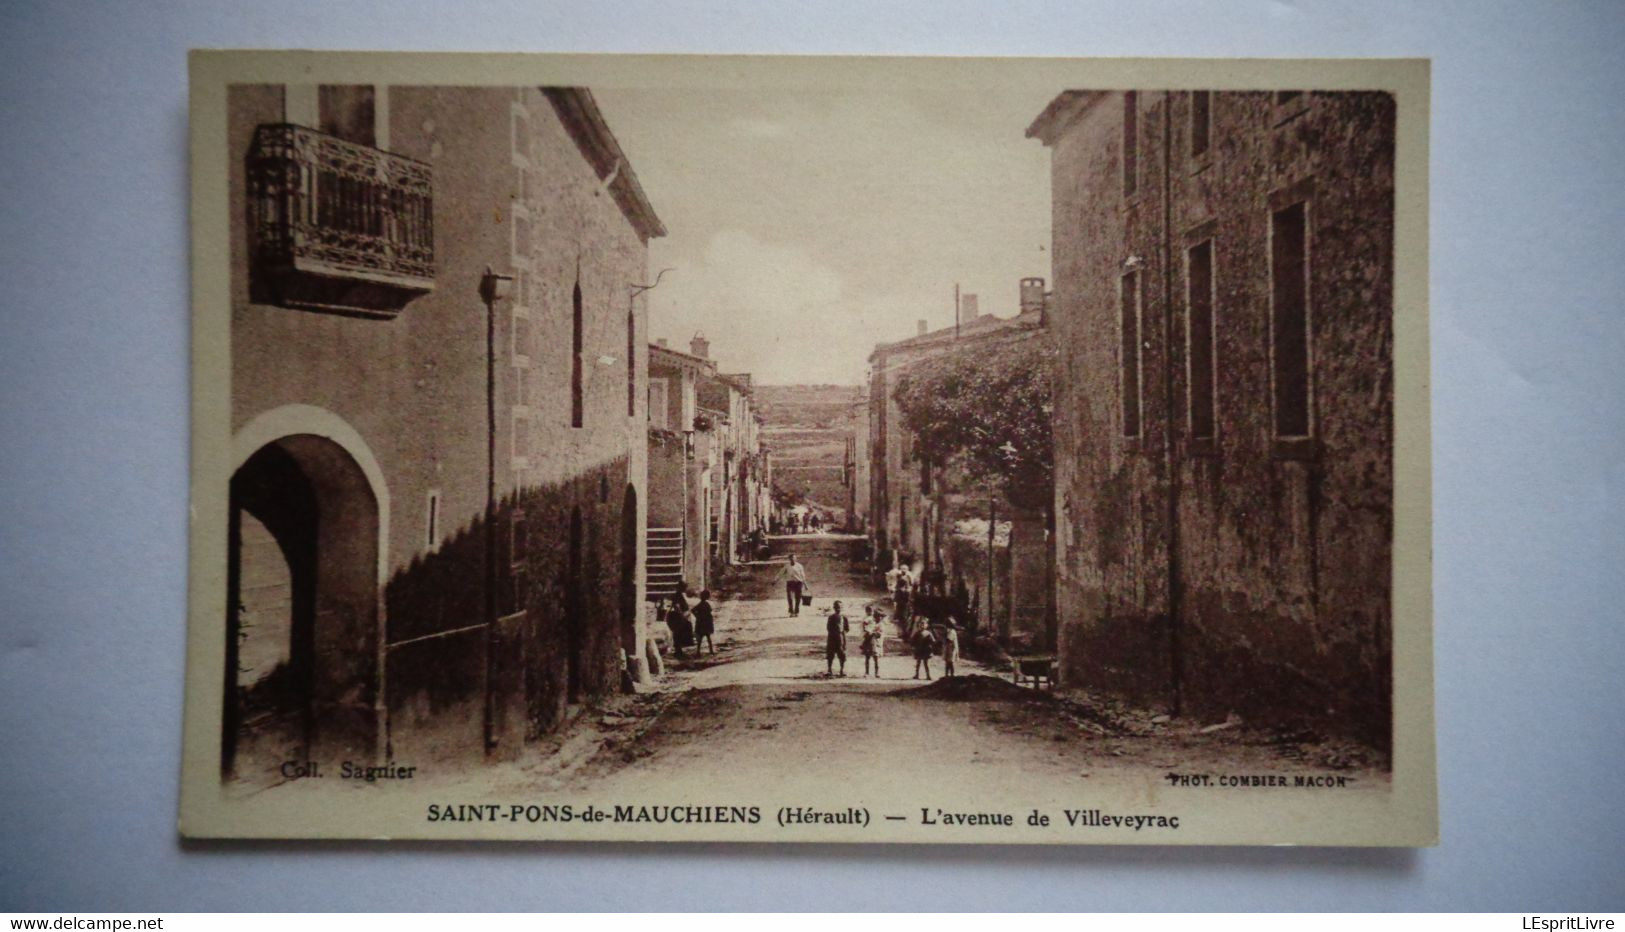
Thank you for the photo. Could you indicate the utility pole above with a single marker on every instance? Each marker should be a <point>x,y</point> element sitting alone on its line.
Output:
<point>992,522</point>
<point>493,287</point>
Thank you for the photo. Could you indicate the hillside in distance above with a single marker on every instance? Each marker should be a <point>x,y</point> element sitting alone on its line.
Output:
<point>807,427</point>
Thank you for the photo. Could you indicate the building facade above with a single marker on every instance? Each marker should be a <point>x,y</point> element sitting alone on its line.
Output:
<point>855,472</point>
<point>1224,411</point>
<point>681,462</point>
<point>438,423</point>
<point>726,405</point>
<point>707,468</point>
<point>809,429</point>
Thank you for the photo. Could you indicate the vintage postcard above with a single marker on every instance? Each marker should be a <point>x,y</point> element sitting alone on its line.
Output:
<point>683,448</point>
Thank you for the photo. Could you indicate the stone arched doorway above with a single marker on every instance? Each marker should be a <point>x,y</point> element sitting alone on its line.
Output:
<point>301,672</point>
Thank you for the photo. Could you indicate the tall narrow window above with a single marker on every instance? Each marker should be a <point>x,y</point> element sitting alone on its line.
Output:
<point>1131,142</point>
<point>433,522</point>
<point>1201,122</point>
<point>577,389</point>
<point>1289,320</point>
<point>631,364</point>
<point>1129,365</point>
<point>1199,338</point>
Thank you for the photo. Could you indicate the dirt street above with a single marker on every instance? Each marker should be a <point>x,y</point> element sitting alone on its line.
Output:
<point>762,711</point>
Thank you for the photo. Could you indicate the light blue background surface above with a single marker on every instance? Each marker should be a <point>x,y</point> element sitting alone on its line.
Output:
<point>1529,425</point>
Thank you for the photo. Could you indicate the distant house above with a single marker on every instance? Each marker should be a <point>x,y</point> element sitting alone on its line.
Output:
<point>914,504</point>
<point>1224,411</point>
<point>727,400</point>
<point>855,470</point>
<point>438,434</point>
<point>682,458</point>
<point>808,427</point>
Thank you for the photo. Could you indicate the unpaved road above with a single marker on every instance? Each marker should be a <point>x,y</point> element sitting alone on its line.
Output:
<point>762,712</point>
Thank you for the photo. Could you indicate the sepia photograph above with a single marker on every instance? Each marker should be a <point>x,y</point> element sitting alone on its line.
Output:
<point>861,450</point>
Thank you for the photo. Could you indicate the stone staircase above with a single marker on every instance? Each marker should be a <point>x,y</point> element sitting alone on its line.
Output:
<point>663,566</point>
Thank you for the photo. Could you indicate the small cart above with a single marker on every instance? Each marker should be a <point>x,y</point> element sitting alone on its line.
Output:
<point>1034,669</point>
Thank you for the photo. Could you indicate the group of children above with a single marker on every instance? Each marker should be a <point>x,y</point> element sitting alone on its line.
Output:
<point>923,639</point>
<point>694,626</point>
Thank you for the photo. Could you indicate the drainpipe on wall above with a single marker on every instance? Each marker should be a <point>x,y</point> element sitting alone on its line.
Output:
<point>493,287</point>
<point>992,523</point>
<point>1175,647</point>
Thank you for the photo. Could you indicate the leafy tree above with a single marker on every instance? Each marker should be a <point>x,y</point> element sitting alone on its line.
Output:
<point>987,409</point>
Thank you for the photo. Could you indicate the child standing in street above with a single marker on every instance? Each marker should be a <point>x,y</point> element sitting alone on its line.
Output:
<point>950,647</point>
<point>678,619</point>
<point>925,644</point>
<point>874,638</point>
<point>704,624</point>
<point>835,645</point>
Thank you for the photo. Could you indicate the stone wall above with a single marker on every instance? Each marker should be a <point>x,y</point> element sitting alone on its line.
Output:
<point>1275,603</point>
<point>513,193</point>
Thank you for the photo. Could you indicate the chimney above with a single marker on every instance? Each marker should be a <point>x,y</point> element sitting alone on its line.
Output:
<point>921,325</point>
<point>1032,295</point>
<point>700,346</point>
<point>967,308</point>
<point>662,343</point>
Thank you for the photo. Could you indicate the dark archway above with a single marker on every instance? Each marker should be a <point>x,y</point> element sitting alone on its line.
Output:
<point>301,611</point>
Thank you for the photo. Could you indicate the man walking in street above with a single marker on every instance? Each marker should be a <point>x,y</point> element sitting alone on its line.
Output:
<point>795,580</point>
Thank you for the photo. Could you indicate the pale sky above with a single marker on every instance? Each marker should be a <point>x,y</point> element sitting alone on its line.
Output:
<point>804,227</point>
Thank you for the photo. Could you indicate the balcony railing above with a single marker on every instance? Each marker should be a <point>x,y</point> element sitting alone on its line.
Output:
<point>337,225</point>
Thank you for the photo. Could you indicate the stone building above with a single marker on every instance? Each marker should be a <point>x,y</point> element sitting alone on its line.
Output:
<point>439,438</point>
<point>707,467</point>
<point>855,472</point>
<point>681,461</point>
<point>915,505</point>
<point>725,404</point>
<point>1224,413</point>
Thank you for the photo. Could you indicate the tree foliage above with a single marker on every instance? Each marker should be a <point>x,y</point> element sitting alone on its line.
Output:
<point>987,409</point>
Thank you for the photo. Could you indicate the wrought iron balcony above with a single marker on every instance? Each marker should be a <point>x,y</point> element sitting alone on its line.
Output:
<point>337,226</point>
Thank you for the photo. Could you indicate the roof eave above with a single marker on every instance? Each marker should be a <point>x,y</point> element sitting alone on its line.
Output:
<point>1060,114</point>
<point>579,113</point>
